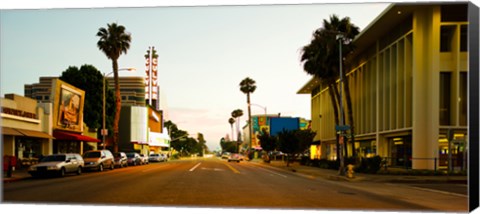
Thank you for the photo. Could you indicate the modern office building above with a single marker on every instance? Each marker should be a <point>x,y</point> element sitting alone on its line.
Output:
<point>408,83</point>
<point>132,90</point>
<point>40,91</point>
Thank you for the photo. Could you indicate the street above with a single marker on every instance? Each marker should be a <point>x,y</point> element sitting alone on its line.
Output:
<point>217,183</point>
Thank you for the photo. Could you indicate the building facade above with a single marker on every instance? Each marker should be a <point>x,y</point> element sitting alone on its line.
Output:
<point>408,83</point>
<point>26,132</point>
<point>132,90</point>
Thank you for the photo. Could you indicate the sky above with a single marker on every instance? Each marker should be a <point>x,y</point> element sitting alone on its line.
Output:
<point>204,52</point>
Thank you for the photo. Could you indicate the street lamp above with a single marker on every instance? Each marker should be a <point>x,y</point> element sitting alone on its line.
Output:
<point>105,131</point>
<point>340,38</point>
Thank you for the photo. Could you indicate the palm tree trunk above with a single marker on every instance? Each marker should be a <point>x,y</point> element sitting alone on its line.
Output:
<point>337,93</point>
<point>331,91</point>
<point>350,115</point>
<point>118,103</point>
<point>249,123</point>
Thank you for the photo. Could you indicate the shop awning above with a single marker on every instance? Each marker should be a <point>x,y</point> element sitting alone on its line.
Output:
<point>73,136</point>
<point>10,131</point>
<point>30,133</point>
<point>24,132</point>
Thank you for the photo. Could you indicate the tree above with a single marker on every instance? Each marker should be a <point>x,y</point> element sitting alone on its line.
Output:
<point>321,59</point>
<point>231,121</point>
<point>114,41</point>
<point>247,86</point>
<point>89,79</point>
<point>236,114</point>
<point>268,143</point>
<point>349,31</point>
<point>287,143</point>
<point>294,142</point>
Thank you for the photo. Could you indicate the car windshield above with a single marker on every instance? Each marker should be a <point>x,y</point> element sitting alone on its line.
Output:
<point>117,155</point>
<point>154,155</point>
<point>92,155</point>
<point>53,158</point>
<point>131,155</point>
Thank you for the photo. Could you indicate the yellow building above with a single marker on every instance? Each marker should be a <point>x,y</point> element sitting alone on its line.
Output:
<point>408,83</point>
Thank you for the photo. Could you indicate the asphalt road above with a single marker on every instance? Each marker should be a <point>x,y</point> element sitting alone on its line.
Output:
<point>217,183</point>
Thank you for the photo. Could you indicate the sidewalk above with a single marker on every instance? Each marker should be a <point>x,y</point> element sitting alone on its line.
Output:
<point>17,175</point>
<point>314,172</point>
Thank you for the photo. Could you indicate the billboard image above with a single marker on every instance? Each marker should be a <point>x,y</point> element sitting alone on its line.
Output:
<point>68,104</point>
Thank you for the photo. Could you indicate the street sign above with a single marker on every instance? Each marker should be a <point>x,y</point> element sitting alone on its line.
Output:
<point>342,128</point>
<point>104,132</point>
<point>340,139</point>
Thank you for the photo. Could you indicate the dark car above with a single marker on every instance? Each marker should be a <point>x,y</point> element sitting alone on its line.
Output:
<point>134,159</point>
<point>120,159</point>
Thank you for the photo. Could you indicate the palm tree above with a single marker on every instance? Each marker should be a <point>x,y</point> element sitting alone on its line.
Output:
<point>247,86</point>
<point>231,121</point>
<point>320,59</point>
<point>236,114</point>
<point>349,32</point>
<point>113,42</point>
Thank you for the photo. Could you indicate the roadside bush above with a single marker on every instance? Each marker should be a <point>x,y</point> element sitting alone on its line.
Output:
<point>369,165</point>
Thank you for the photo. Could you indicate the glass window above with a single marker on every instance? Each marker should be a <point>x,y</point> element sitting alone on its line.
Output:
<point>463,38</point>
<point>463,99</point>
<point>446,37</point>
<point>445,97</point>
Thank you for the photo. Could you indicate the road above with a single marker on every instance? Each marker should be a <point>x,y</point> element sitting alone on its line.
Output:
<point>217,183</point>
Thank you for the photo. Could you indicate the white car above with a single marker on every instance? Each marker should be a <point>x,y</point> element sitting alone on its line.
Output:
<point>58,164</point>
<point>157,158</point>
<point>144,158</point>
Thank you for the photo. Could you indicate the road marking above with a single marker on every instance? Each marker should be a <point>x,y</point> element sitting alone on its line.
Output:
<point>272,172</point>
<point>233,169</point>
<point>198,164</point>
<point>212,169</point>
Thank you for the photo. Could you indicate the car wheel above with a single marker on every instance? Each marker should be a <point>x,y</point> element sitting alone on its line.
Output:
<point>79,171</point>
<point>62,172</point>
<point>100,167</point>
<point>112,166</point>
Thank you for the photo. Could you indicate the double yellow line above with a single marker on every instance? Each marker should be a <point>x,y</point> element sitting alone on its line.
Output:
<point>233,169</point>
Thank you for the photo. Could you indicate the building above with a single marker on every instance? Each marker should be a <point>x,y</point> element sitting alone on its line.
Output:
<point>26,129</point>
<point>40,91</point>
<point>132,90</point>
<point>408,78</point>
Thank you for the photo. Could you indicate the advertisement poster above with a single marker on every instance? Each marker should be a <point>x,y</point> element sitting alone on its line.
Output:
<point>68,104</point>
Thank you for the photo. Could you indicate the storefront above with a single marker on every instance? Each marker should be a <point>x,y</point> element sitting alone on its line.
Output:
<point>25,129</point>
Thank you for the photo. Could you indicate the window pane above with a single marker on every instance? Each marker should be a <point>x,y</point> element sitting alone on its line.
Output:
<point>463,99</point>
<point>445,95</point>
<point>464,38</point>
<point>446,37</point>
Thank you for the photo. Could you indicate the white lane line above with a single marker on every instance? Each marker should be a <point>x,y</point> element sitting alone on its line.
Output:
<point>198,164</point>
<point>271,172</point>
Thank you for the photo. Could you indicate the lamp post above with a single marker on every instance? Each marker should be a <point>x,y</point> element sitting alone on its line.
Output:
<point>342,122</point>
<point>104,131</point>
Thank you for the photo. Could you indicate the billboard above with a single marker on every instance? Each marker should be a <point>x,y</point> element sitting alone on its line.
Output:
<point>280,123</point>
<point>68,104</point>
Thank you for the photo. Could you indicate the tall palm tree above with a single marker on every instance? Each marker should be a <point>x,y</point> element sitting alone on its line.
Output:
<point>247,86</point>
<point>114,41</point>
<point>237,113</point>
<point>349,31</point>
<point>231,121</point>
<point>320,59</point>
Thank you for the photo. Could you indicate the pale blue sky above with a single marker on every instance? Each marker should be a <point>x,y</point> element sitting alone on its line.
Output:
<point>204,53</point>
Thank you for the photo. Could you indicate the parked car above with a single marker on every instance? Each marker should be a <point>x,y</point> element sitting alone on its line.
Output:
<point>235,157</point>
<point>134,159</point>
<point>157,158</point>
<point>58,164</point>
<point>99,160</point>
<point>120,159</point>
<point>225,155</point>
<point>144,158</point>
